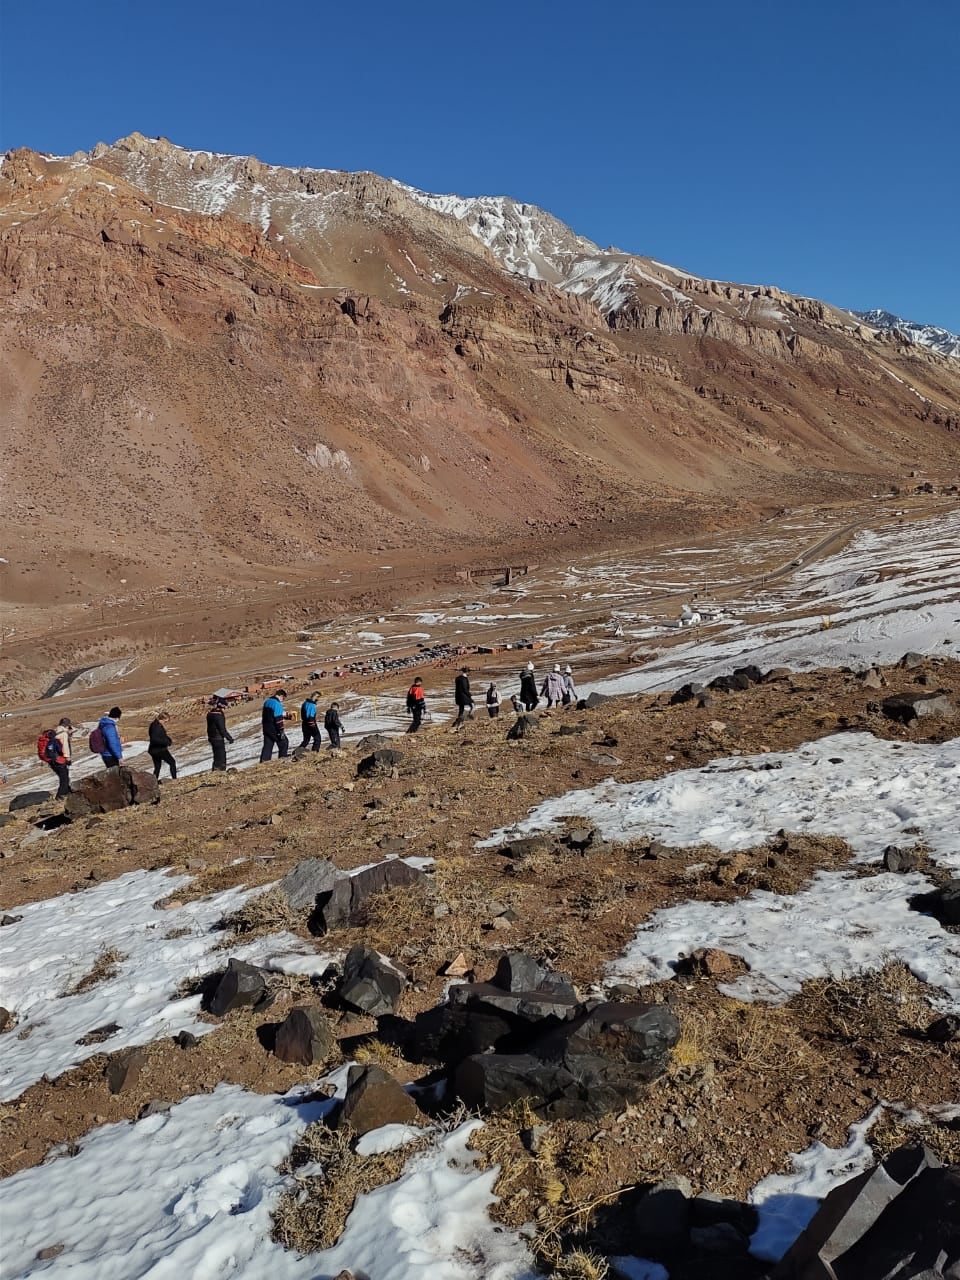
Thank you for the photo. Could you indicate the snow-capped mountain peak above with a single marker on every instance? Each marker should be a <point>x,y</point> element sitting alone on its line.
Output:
<point>925,335</point>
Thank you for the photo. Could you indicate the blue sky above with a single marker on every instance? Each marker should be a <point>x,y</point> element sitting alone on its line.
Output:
<point>809,145</point>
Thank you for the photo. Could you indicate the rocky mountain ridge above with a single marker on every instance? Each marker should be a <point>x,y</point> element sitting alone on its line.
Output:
<point>264,366</point>
<point>925,335</point>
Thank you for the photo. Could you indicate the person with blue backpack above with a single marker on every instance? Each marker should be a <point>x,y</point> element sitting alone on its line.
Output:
<point>274,733</point>
<point>105,739</point>
<point>308,723</point>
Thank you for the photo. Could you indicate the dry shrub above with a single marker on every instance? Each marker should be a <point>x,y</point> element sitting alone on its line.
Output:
<point>312,1215</point>
<point>266,913</point>
<point>893,1130</point>
<point>582,1265</point>
<point>378,1054</point>
<point>544,1186</point>
<point>104,968</point>
<point>855,1008</point>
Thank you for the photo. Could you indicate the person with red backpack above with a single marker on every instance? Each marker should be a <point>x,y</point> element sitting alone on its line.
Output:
<point>416,704</point>
<point>53,748</point>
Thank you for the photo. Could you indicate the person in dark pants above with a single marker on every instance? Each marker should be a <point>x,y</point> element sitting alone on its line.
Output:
<point>65,738</point>
<point>462,697</point>
<point>493,701</point>
<point>112,753</point>
<point>218,735</point>
<point>308,723</point>
<point>334,726</point>
<point>528,688</point>
<point>416,704</point>
<point>159,746</point>
<point>274,733</point>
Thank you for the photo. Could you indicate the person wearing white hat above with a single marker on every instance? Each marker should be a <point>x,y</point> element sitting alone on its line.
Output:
<point>553,686</point>
<point>528,688</point>
<point>569,687</point>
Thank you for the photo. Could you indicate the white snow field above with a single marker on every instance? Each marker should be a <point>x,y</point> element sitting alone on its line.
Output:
<point>868,790</point>
<point>56,942</point>
<point>190,1193</point>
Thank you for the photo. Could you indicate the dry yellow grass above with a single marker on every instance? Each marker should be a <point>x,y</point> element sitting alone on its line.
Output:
<point>104,967</point>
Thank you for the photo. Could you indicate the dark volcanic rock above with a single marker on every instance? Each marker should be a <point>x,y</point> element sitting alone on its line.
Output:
<point>305,1036</point>
<point>686,693</point>
<point>306,882</point>
<point>901,1218</point>
<point>240,987</point>
<point>588,1066</point>
<point>382,761</point>
<point>907,707</point>
<point>351,891</point>
<point>943,903</point>
<point>123,1069</point>
<point>28,800</point>
<point>370,983</point>
<point>373,1099</point>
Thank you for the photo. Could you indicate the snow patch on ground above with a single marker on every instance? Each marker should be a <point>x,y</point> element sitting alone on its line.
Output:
<point>191,1192</point>
<point>867,790</point>
<point>838,926</point>
<point>58,940</point>
<point>787,1201</point>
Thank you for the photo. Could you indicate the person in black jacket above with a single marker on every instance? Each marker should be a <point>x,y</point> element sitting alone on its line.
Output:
<point>528,688</point>
<point>217,735</point>
<point>462,697</point>
<point>159,745</point>
<point>333,725</point>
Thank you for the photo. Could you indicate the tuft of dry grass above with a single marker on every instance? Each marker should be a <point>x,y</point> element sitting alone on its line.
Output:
<point>104,967</point>
<point>266,913</point>
<point>893,1130</point>
<point>581,1264</point>
<point>851,1009</point>
<point>379,1054</point>
<point>312,1215</point>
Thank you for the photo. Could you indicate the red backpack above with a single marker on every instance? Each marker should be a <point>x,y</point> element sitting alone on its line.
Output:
<point>97,742</point>
<point>48,748</point>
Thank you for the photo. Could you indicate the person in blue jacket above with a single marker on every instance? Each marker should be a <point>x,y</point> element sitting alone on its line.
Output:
<point>274,733</point>
<point>308,723</point>
<point>113,754</point>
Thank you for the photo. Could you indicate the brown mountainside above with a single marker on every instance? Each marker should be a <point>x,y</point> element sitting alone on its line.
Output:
<point>214,366</point>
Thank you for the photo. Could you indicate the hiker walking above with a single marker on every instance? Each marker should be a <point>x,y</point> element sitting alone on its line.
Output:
<point>553,686</point>
<point>308,723</point>
<point>528,688</point>
<point>333,725</point>
<point>53,748</point>
<point>274,732</point>
<point>105,739</point>
<point>159,745</point>
<point>462,697</point>
<point>493,701</point>
<point>570,693</point>
<point>218,735</point>
<point>416,704</point>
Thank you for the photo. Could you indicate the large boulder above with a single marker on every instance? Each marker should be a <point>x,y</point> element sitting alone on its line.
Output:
<point>308,880</point>
<point>335,898</point>
<point>352,890</point>
<point>305,1036</point>
<point>907,707</point>
<point>686,693</point>
<point>587,1066</point>
<point>373,1098</point>
<point>381,762</point>
<point>901,1218</point>
<point>111,789</point>
<point>370,982</point>
<point>241,987</point>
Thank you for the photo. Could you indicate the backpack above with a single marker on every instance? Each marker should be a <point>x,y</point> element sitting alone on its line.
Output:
<point>411,700</point>
<point>48,747</point>
<point>97,742</point>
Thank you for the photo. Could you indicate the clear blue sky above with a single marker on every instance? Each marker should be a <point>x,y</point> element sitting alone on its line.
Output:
<point>811,144</point>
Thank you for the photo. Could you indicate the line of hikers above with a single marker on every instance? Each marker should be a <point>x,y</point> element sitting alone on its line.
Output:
<point>559,688</point>
<point>55,746</point>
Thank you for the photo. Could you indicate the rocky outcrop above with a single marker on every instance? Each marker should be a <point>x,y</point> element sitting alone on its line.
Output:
<point>111,789</point>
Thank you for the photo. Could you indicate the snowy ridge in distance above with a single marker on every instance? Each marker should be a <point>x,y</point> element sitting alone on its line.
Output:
<point>924,335</point>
